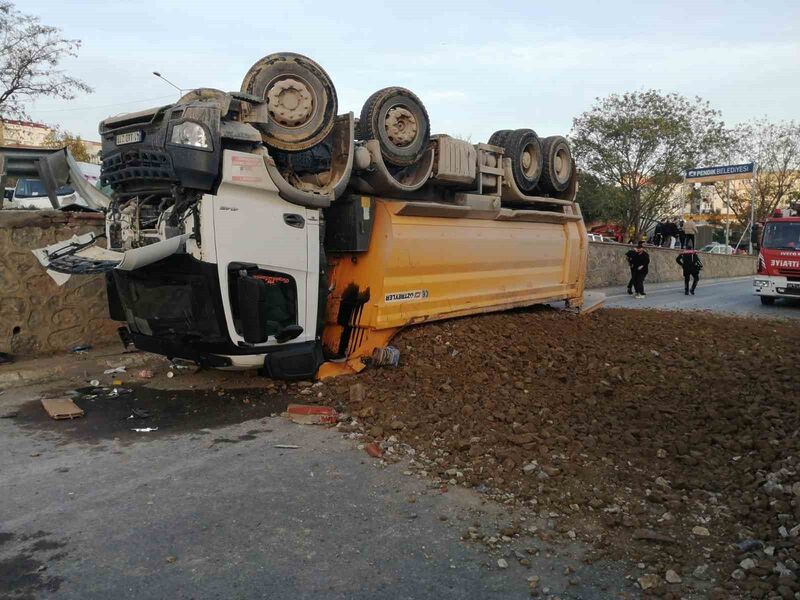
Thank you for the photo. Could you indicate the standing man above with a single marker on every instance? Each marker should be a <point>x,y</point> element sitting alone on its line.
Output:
<point>629,256</point>
<point>658,234</point>
<point>689,230</point>
<point>682,233</point>
<point>671,234</point>
<point>691,263</point>
<point>639,265</point>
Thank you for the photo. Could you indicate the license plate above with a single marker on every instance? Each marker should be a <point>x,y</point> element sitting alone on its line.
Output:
<point>129,138</point>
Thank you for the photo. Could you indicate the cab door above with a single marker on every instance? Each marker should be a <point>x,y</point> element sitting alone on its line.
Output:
<point>258,233</point>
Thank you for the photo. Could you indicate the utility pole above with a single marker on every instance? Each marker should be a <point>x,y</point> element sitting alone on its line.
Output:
<point>727,214</point>
<point>753,206</point>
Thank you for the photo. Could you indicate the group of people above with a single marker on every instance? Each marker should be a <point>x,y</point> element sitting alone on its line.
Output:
<point>668,234</point>
<point>639,262</point>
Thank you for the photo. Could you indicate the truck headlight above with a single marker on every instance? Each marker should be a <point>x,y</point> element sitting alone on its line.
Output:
<point>760,283</point>
<point>190,134</point>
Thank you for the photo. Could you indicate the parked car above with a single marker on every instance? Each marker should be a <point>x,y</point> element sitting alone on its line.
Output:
<point>717,248</point>
<point>30,193</point>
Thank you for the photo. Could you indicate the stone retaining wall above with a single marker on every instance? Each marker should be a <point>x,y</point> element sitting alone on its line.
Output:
<point>608,266</point>
<point>36,315</point>
<point>39,317</point>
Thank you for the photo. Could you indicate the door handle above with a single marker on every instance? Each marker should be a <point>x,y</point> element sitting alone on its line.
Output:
<point>294,220</point>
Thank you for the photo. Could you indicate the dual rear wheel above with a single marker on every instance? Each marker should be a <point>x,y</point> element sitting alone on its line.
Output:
<point>536,164</point>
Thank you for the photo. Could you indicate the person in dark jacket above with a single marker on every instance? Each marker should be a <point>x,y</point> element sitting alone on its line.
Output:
<point>639,265</point>
<point>658,234</point>
<point>629,256</point>
<point>670,234</point>
<point>691,263</point>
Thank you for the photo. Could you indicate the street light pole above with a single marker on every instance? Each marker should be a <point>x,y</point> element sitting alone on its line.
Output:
<point>160,76</point>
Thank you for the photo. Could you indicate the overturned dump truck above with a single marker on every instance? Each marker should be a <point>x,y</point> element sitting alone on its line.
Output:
<point>262,229</point>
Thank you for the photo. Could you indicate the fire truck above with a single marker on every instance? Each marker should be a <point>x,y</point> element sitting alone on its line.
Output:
<point>778,274</point>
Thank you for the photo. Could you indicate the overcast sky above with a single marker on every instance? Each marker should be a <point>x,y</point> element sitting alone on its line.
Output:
<point>477,65</point>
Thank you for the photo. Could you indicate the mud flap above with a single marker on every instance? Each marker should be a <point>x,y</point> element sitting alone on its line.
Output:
<point>80,256</point>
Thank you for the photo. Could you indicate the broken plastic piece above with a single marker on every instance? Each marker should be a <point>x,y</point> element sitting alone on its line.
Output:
<point>286,446</point>
<point>144,429</point>
<point>311,415</point>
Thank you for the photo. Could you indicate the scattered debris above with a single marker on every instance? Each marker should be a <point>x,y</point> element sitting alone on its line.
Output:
<point>286,446</point>
<point>80,349</point>
<point>139,413</point>
<point>701,531</point>
<point>748,545</point>
<point>388,356</point>
<point>114,370</point>
<point>307,414</point>
<point>145,374</point>
<point>144,429</point>
<point>502,563</point>
<point>374,450</point>
<point>651,580</point>
<point>94,383</point>
<point>672,577</point>
<point>62,408</point>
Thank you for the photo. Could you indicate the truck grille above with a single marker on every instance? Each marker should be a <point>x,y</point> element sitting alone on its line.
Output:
<point>789,271</point>
<point>137,164</point>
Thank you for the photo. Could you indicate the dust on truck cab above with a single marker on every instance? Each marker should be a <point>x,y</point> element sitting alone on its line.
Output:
<point>778,273</point>
<point>263,229</point>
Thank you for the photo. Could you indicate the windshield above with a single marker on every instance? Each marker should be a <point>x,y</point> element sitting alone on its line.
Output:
<point>784,236</point>
<point>29,188</point>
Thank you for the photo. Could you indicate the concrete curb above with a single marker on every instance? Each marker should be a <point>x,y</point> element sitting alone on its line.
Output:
<point>92,364</point>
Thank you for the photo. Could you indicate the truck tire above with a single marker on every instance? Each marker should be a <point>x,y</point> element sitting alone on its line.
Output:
<point>557,167</point>
<point>499,137</point>
<point>398,120</point>
<point>300,97</point>
<point>524,149</point>
<point>767,300</point>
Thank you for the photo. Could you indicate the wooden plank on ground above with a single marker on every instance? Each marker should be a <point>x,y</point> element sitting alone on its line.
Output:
<point>62,408</point>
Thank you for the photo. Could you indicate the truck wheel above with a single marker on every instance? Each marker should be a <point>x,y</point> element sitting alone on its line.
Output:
<point>499,138</point>
<point>557,169</point>
<point>524,149</point>
<point>300,96</point>
<point>767,300</point>
<point>398,120</point>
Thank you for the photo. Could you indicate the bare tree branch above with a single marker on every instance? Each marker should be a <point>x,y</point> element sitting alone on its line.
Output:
<point>30,54</point>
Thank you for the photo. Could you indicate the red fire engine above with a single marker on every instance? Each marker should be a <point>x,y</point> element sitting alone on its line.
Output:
<point>778,274</point>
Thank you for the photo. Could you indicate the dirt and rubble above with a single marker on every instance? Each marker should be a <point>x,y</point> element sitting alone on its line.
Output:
<point>667,439</point>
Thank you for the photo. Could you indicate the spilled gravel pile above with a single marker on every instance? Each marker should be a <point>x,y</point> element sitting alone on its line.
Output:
<point>668,439</point>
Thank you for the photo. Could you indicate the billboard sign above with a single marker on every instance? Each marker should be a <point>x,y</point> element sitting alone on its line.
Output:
<point>720,173</point>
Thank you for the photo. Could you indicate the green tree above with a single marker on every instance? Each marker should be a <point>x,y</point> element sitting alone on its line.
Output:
<point>775,147</point>
<point>599,201</point>
<point>642,143</point>
<point>30,54</point>
<point>64,139</point>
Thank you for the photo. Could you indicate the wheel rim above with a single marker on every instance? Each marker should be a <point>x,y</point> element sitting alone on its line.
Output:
<point>561,164</point>
<point>530,160</point>
<point>401,126</point>
<point>291,101</point>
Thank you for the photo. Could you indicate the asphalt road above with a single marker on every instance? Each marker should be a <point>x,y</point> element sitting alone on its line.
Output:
<point>733,296</point>
<point>208,507</point>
